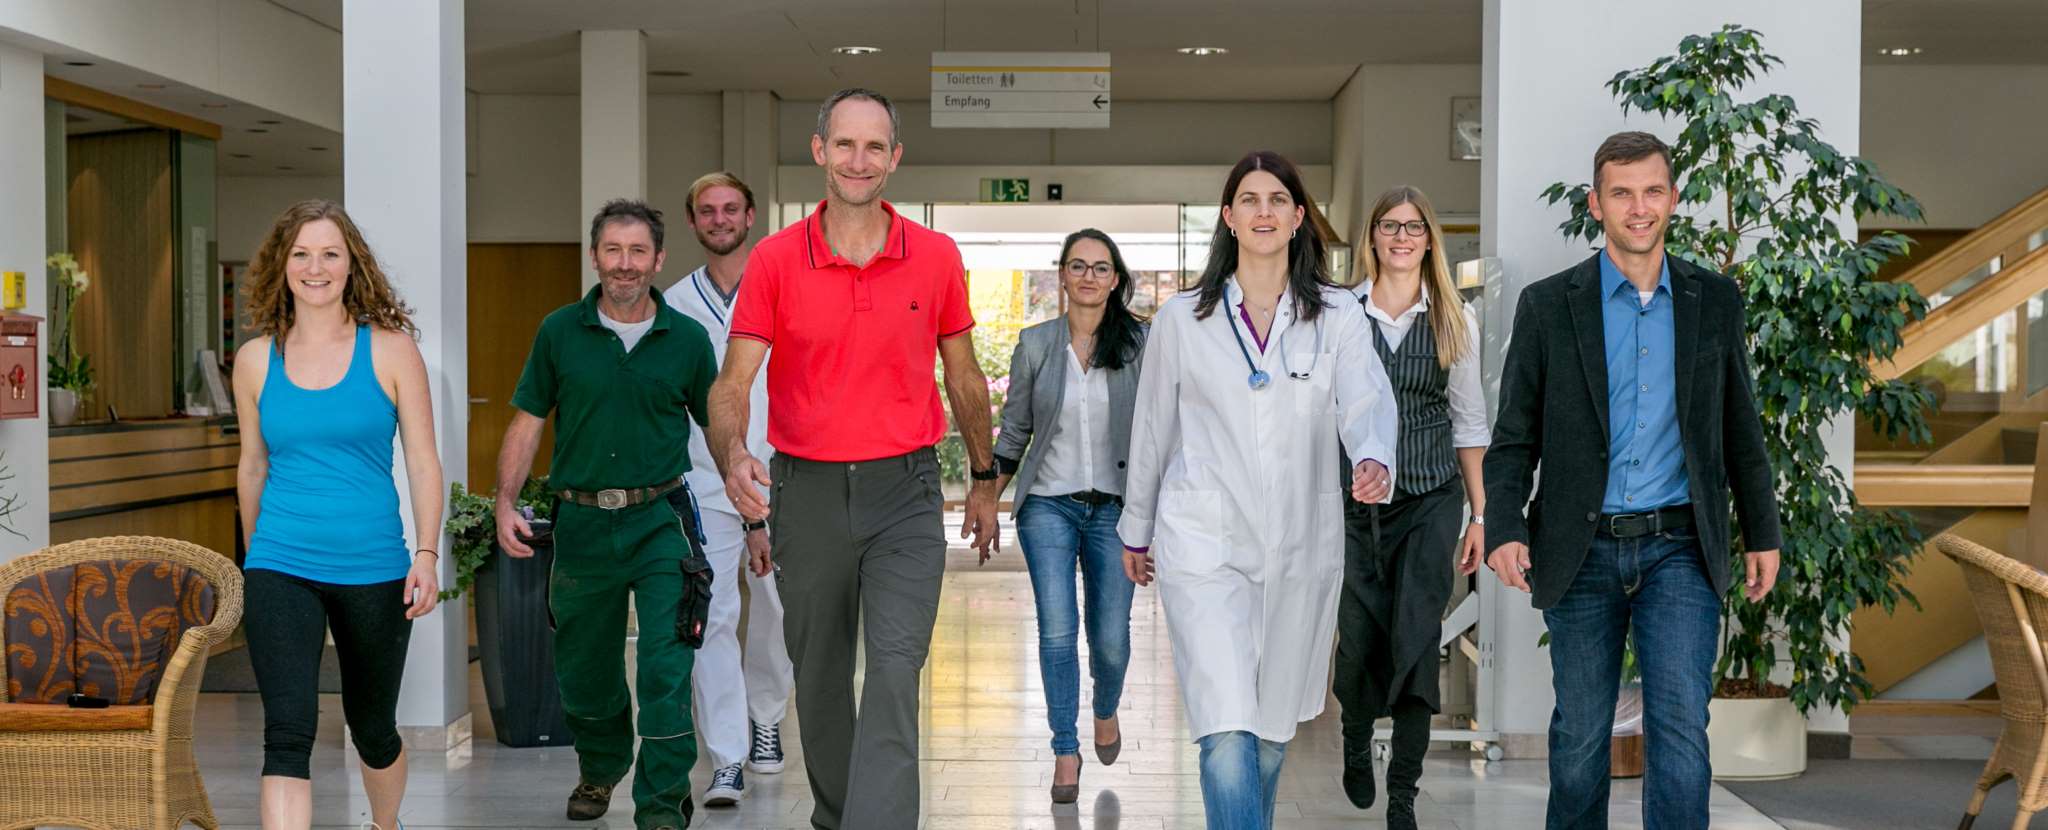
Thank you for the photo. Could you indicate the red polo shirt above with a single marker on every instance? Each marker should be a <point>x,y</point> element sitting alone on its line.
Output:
<point>850,368</point>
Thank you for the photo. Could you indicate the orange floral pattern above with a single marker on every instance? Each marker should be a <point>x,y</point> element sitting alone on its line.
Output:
<point>104,628</point>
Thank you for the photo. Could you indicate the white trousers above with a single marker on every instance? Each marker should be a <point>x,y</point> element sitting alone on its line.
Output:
<point>728,693</point>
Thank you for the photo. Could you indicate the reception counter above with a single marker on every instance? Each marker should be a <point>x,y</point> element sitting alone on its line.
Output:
<point>173,477</point>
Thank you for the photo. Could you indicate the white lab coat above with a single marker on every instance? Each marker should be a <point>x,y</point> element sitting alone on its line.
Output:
<point>1240,494</point>
<point>697,296</point>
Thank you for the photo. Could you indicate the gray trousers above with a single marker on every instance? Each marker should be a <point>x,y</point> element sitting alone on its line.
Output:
<point>862,550</point>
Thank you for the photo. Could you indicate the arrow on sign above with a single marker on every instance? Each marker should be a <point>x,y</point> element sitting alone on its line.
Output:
<point>1099,101</point>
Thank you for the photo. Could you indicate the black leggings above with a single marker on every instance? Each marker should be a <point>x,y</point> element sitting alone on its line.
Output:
<point>285,621</point>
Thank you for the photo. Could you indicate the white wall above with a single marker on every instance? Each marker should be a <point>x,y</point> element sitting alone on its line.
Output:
<point>525,188</point>
<point>1141,132</point>
<point>249,50</point>
<point>25,442</point>
<point>1392,126</point>
<point>1546,110</point>
<point>1965,140</point>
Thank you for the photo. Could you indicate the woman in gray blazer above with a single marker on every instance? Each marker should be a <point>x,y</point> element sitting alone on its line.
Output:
<point>1068,418</point>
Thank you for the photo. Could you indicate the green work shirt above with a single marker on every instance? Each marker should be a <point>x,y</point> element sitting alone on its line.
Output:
<point>621,419</point>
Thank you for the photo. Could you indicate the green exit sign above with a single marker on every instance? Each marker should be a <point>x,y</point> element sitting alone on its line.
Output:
<point>1006,190</point>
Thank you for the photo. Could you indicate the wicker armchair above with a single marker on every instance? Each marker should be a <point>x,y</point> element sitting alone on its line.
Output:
<point>2012,602</point>
<point>130,619</point>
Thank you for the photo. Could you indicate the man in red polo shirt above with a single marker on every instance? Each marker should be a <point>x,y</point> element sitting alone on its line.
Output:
<point>856,301</point>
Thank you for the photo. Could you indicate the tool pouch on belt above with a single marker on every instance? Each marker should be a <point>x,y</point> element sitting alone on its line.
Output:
<point>693,612</point>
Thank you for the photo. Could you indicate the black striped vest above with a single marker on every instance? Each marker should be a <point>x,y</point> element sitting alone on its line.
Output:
<point>1423,456</point>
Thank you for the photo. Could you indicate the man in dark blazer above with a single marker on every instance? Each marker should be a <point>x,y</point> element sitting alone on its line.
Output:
<point>1627,381</point>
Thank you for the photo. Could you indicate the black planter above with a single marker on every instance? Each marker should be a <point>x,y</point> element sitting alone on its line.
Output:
<point>517,647</point>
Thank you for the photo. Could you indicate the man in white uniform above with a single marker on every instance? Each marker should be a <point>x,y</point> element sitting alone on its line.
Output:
<point>721,212</point>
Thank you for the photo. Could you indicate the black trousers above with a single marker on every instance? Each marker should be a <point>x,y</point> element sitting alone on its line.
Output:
<point>286,619</point>
<point>1397,582</point>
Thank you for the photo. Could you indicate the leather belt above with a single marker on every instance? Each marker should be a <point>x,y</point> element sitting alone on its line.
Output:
<point>1632,525</point>
<point>1095,498</point>
<point>617,498</point>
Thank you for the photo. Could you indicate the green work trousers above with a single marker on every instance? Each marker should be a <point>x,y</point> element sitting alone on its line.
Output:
<point>602,556</point>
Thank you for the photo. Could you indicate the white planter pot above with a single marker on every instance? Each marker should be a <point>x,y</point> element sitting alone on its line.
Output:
<point>63,407</point>
<point>1756,740</point>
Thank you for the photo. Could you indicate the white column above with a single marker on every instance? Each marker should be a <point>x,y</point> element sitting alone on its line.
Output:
<point>614,109</point>
<point>1546,110</point>
<point>750,125</point>
<point>402,154</point>
<point>25,442</point>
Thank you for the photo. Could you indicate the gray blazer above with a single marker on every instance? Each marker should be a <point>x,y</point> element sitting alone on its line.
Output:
<point>1038,385</point>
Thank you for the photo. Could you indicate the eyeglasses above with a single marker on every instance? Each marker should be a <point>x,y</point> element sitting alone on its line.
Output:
<point>1079,268</point>
<point>1389,227</point>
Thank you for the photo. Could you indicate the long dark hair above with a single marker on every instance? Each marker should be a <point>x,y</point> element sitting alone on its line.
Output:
<point>1308,265</point>
<point>1117,337</point>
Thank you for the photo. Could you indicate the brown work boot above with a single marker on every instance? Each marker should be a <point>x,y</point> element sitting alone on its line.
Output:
<point>589,801</point>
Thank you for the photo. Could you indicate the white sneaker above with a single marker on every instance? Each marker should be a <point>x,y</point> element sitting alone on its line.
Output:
<point>727,785</point>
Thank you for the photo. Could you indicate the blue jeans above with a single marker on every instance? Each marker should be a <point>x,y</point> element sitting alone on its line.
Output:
<point>1655,587</point>
<point>1240,773</point>
<point>1058,532</point>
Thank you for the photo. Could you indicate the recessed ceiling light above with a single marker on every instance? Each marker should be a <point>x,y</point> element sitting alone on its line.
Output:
<point>1202,51</point>
<point>856,50</point>
<point>214,105</point>
<point>269,122</point>
<point>79,63</point>
<point>149,86</point>
<point>258,130</point>
<point>668,73</point>
<point>1899,51</point>
<point>238,155</point>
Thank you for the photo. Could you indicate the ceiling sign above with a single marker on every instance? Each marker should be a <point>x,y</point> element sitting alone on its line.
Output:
<point>1033,90</point>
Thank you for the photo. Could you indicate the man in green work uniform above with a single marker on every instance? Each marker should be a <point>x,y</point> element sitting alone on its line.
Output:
<point>625,375</point>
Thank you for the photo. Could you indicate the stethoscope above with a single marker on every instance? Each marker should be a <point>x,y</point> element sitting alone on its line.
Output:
<point>1259,379</point>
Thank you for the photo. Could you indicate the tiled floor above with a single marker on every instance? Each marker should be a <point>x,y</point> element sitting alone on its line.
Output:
<point>986,756</point>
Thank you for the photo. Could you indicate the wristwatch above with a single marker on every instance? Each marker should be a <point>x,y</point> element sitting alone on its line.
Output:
<point>750,527</point>
<point>984,475</point>
<point>1479,519</point>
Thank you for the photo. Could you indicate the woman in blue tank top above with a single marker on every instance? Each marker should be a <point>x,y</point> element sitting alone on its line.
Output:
<point>335,376</point>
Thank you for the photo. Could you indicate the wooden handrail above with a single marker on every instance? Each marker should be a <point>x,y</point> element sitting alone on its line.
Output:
<point>2012,285</point>
<point>1944,485</point>
<point>1998,237</point>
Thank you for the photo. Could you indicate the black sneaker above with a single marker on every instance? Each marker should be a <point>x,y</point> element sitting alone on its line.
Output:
<point>1358,783</point>
<point>589,801</point>
<point>766,755</point>
<point>727,785</point>
<point>1400,812</point>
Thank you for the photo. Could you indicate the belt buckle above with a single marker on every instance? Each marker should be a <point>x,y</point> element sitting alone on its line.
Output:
<point>611,499</point>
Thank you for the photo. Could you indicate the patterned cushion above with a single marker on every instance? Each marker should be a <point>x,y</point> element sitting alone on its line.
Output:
<point>105,628</point>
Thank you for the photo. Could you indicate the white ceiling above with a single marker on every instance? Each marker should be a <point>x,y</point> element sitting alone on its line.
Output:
<point>1299,50</point>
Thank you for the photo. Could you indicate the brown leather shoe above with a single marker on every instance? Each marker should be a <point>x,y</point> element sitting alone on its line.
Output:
<point>589,801</point>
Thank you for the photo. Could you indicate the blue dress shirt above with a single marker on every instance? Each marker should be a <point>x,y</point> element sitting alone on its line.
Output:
<point>1646,461</point>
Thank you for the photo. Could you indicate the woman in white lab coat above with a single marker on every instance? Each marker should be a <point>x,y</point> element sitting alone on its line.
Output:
<point>1235,493</point>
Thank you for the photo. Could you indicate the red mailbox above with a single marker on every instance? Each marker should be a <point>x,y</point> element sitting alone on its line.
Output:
<point>21,373</point>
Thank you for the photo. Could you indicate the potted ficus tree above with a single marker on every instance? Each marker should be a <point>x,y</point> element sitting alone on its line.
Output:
<point>1762,196</point>
<point>70,373</point>
<point>515,640</point>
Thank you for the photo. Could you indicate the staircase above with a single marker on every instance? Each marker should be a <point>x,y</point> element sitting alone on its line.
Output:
<point>1983,351</point>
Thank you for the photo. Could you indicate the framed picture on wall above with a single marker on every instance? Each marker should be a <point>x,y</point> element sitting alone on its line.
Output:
<point>1465,129</point>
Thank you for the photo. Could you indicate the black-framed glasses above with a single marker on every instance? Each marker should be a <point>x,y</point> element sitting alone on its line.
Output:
<point>1389,227</point>
<point>1081,267</point>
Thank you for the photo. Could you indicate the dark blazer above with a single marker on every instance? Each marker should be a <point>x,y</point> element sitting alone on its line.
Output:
<point>1038,389</point>
<point>1553,414</point>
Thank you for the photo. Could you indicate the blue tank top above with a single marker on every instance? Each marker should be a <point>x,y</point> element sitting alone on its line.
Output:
<point>329,510</point>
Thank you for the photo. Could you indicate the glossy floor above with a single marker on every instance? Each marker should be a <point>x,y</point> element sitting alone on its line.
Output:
<point>987,759</point>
